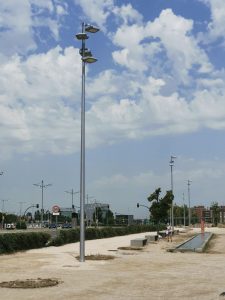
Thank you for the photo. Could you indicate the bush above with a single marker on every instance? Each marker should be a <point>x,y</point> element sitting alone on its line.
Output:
<point>21,225</point>
<point>73,235</point>
<point>11,242</point>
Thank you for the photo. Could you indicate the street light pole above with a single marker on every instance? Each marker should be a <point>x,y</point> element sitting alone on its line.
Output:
<point>42,186</point>
<point>72,193</point>
<point>21,204</point>
<point>184,209</point>
<point>3,210</point>
<point>86,57</point>
<point>189,203</point>
<point>171,170</point>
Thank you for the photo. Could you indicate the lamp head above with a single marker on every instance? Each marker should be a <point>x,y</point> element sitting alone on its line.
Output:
<point>82,36</point>
<point>89,59</point>
<point>85,53</point>
<point>172,160</point>
<point>91,28</point>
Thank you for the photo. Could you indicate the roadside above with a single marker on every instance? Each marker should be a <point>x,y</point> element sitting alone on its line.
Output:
<point>151,273</point>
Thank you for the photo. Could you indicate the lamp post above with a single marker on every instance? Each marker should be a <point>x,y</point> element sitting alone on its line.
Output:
<point>148,208</point>
<point>42,186</point>
<point>86,57</point>
<point>3,210</point>
<point>72,193</point>
<point>171,170</point>
<point>184,209</point>
<point>189,203</point>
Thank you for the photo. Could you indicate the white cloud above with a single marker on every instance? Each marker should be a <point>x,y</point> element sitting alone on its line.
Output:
<point>181,46</point>
<point>19,19</point>
<point>217,26</point>
<point>38,111</point>
<point>97,11</point>
<point>171,33</point>
<point>128,14</point>
<point>130,105</point>
<point>16,27</point>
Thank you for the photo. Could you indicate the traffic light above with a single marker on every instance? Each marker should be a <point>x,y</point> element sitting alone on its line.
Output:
<point>137,204</point>
<point>37,205</point>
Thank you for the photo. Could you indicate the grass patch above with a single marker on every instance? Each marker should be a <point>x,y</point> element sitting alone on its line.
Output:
<point>30,283</point>
<point>97,257</point>
<point>130,248</point>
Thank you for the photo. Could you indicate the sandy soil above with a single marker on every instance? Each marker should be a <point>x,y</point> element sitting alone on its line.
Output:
<point>152,273</point>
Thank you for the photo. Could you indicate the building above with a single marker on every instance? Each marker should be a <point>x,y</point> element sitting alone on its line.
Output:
<point>124,219</point>
<point>91,211</point>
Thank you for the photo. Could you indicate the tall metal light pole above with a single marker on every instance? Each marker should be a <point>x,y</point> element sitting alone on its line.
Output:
<point>189,203</point>
<point>21,204</point>
<point>3,205</point>
<point>3,210</point>
<point>42,186</point>
<point>184,209</point>
<point>86,57</point>
<point>171,170</point>
<point>72,193</point>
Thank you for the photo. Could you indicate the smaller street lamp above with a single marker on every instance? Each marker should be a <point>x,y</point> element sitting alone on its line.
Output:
<point>72,193</point>
<point>171,168</point>
<point>42,186</point>
<point>189,203</point>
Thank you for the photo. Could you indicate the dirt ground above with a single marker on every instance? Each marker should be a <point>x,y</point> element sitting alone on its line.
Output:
<point>151,273</point>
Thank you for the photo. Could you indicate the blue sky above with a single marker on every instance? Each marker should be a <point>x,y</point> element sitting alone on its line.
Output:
<point>157,90</point>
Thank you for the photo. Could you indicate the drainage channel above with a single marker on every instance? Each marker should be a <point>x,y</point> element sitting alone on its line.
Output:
<point>196,243</point>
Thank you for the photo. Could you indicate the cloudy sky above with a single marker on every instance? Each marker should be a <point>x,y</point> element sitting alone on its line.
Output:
<point>157,90</point>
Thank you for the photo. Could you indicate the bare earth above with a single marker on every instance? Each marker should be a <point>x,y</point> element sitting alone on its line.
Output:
<point>152,273</point>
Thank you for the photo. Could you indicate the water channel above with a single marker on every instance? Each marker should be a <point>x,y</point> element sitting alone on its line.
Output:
<point>196,243</point>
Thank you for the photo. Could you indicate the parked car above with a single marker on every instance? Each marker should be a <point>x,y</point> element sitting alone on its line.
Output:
<point>10,226</point>
<point>53,225</point>
<point>66,225</point>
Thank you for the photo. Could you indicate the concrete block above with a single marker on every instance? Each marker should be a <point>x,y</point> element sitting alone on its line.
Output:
<point>139,242</point>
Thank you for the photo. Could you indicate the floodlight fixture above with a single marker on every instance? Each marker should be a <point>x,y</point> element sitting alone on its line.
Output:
<point>82,36</point>
<point>91,28</point>
<point>86,52</point>
<point>89,59</point>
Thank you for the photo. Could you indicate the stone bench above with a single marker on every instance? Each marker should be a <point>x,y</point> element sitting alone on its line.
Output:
<point>151,238</point>
<point>163,233</point>
<point>139,242</point>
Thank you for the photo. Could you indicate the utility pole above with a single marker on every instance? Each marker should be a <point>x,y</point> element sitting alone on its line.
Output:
<point>189,203</point>
<point>42,186</point>
<point>72,193</point>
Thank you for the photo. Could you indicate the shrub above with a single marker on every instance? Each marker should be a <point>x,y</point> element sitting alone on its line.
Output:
<point>11,242</point>
<point>21,225</point>
<point>73,235</point>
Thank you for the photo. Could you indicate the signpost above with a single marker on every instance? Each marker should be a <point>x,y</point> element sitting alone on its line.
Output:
<point>56,213</point>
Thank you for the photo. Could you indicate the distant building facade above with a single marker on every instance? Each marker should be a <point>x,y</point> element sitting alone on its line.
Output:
<point>124,219</point>
<point>207,213</point>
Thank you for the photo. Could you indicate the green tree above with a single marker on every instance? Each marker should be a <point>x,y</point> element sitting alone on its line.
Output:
<point>160,206</point>
<point>215,213</point>
<point>37,215</point>
<point>11,218</point>
<point>109,218</point>
<point>97,216</point>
